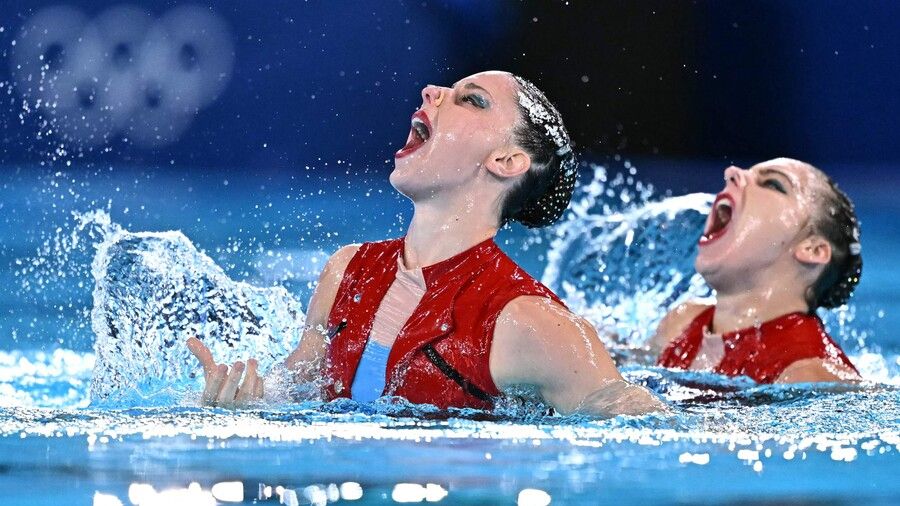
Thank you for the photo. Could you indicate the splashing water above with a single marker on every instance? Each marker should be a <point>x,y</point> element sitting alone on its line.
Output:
<point>152,291</point>
<point>622,268</point>
<point>622,255</point>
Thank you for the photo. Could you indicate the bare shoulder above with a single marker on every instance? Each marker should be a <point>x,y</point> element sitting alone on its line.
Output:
<point>537,339</point>
<point>674,323</point>
<point>308,355</point>
<point>339,260</point>
<point>814,370</point>
<point>329,282</point>
<point>530,316</point>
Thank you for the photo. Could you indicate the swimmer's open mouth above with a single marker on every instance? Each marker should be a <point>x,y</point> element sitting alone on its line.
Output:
<point>419,133</point>
<point>719,218</point>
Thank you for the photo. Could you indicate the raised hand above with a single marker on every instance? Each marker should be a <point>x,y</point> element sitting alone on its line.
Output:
<point>223,386</point>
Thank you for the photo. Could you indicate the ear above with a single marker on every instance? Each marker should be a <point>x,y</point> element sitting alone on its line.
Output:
<point>508,162</point>
<point>813,251</point>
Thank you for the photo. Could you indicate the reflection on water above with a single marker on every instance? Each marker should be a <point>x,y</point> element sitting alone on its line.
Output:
<point>143,494</point>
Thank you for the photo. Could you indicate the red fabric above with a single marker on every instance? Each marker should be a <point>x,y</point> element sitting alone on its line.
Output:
<point>464,296</point>
<point>763,352</point>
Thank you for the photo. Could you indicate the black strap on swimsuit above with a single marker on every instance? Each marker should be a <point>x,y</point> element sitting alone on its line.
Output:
<point>448,370</point>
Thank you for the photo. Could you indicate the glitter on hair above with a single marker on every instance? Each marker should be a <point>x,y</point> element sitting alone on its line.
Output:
<point>546,189</point>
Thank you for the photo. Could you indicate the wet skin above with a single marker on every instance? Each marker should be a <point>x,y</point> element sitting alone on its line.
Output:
<point>762,262</point>
<point>457,179</point>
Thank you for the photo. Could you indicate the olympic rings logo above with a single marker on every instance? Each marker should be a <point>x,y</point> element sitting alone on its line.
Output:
<point>122,73</point>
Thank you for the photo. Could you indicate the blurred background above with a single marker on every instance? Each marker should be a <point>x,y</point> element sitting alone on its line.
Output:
<point>270,126</point>
<point>299,83</point>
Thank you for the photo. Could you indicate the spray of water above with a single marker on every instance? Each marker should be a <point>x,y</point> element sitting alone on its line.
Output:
<point>152,291</point>
<point>622,257</point>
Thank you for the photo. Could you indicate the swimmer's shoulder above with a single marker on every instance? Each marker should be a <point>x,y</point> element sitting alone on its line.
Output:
<point>329,282</point>
<point>674,323</point>
<point>815,370</point>
<point>337,264</point>
<point>342,256</point>
<point>535,333</point>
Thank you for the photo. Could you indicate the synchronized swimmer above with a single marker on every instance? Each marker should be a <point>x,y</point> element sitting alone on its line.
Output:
<point>442,316</point>
<point>781,241</point>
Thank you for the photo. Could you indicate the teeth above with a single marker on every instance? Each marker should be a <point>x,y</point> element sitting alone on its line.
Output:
<point>420,128</point>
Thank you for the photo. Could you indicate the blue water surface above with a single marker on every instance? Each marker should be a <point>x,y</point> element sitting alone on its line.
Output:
<point>726,441</point>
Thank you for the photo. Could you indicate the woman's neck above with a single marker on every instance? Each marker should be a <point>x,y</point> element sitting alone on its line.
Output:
<point>435,234</point>
<point>740,309</point>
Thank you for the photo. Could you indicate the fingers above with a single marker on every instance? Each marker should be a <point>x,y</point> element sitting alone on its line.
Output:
<point>203,355</point>
<point>223,386</point>
<point>213,384</point>
<point>247,391</point>
<point>227,395</point>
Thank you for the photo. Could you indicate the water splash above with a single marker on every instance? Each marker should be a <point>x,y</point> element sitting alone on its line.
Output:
<point>623,257</point>
<point>152,291</point>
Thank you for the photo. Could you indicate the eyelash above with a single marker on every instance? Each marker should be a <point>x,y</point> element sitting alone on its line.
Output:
<point>775,185</point>
<point>474,100</point>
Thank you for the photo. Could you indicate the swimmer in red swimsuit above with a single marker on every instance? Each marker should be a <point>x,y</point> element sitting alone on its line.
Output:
<point>780,242</point>
<point>461,324</point>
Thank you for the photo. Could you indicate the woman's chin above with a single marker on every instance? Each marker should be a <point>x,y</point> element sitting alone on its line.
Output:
<point>407,180</point>
<point>398,179</point>
<point>708,263</point>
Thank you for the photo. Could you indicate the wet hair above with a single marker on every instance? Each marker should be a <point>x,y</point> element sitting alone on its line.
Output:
<point>544,192</point>
<point>836,221</point>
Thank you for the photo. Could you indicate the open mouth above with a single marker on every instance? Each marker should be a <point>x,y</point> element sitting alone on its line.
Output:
<point>419,133</point>
<point>719,219</point>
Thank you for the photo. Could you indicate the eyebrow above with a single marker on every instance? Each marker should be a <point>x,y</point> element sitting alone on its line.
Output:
<point>790,180</point>
<point>473,86</point>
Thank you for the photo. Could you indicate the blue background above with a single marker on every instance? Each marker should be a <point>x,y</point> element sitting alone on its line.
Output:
<point>295,152</point>
<point>320,81</point>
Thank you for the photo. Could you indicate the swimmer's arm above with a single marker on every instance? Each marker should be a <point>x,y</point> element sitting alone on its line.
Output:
<point>673,324</point>
<point>308,359</point>
<point>815,370</point>
<point>539,342</point>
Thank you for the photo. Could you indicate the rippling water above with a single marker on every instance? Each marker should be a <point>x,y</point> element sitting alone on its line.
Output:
<point>120,423</point>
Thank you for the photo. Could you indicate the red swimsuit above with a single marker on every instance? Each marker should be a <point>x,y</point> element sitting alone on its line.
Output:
<point>763,352</point>
<point>441,355</point>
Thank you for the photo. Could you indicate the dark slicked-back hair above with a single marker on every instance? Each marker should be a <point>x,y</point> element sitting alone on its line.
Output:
<point>544,192</point>
<point>836,221</point>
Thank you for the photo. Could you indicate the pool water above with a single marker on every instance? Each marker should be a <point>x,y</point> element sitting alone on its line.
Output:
<point>623,253</point>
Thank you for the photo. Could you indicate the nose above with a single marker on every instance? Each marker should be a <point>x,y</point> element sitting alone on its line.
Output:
<point>433,95</point>
<point>735,176</point>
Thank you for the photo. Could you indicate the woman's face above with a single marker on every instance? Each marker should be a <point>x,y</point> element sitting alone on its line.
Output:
<point>757,221</point>
<point>454,132</point>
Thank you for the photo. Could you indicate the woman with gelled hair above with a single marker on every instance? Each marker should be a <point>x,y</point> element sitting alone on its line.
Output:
<point>442,316</point>
<point>780,242</point>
